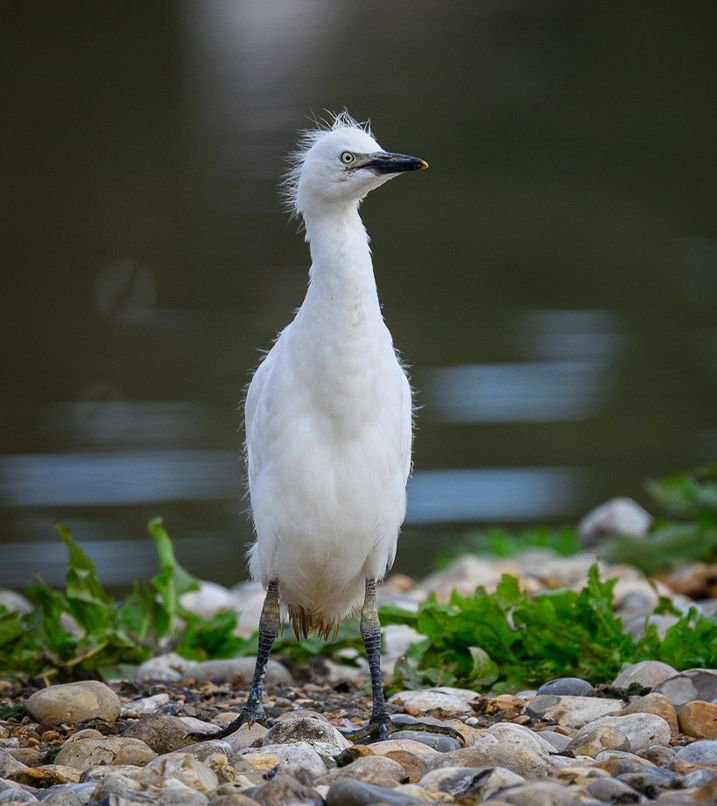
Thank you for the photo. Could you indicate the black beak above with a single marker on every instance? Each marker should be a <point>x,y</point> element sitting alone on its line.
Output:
<point>383,162</point>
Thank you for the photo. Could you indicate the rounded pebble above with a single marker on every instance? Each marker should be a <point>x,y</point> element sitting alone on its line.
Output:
<point>573,686</point>
<point>699,719</point>
<point>700,752</point>
<point>646,673</point>
<point>74,702</point>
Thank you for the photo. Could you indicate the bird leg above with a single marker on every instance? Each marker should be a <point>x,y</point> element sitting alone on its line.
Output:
<point>253,710</point>
<point>380,725</point>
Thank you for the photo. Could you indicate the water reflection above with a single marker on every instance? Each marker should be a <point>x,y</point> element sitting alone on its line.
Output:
<point>551,280</point>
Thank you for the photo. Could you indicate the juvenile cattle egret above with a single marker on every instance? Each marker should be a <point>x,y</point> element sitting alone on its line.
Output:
<point>328,420</point>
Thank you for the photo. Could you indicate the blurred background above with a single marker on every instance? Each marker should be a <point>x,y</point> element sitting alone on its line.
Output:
<point>551,280</point>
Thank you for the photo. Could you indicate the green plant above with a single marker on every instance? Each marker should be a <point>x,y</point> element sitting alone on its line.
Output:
<point>508,641</point>
<point>84,632</point>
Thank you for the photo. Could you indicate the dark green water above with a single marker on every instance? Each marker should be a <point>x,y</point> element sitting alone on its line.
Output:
<point>551,280</point>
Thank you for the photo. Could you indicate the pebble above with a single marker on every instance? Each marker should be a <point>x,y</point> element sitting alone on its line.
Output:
<point>562,744</point>
<point>699,719</point>
<point>573,686</point>
<point>74,702</point>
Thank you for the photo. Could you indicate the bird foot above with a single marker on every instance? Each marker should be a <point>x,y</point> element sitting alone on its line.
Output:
<point>381,728</point>
<point>248,716</point>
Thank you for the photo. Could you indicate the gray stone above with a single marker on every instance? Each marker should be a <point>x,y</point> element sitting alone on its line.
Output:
<point>572,686</point>
<point>17,796</point>
<point>642,730</point>
<point>646,673</point>
<point>321,735</point>
<point>145,705</point>
<point>302,763</point>
<point>83,754</point>
<point>69,794</point>
<point>282,790</point>
<point>618,517</point>
<point>509,733</point>
<point>8,764</point>
<point>442,744</point>
<point>594,738</point>
<point>15,602</point>
<point>539,793</point>
<point>700,752</point>
<point>558,740</point>
<point>350,792</point>
<point>610,790</point>
<point>182,767</point>
<point>571,712</point>
<point>692,684</point>
<point>476,781</point>
<point>519,759</point>
<point>649,782</point>
<point>167,668</point>
<point>74,702</point>
<point>443,703</point>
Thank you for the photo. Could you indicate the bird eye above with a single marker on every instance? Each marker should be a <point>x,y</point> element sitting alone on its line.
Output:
<point>347,158</point>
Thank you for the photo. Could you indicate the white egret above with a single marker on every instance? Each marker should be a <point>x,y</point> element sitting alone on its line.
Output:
<point>328,420</point>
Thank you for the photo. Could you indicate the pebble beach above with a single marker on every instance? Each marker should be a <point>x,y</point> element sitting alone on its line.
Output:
<point>648,737</point>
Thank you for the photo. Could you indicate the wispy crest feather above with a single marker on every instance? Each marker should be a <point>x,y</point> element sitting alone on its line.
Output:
<point>290,182</point>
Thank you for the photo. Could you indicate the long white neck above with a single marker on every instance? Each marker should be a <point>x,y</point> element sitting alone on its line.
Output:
<point>342,287</point>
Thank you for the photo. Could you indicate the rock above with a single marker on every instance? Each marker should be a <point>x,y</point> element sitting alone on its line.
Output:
<point>693,684</point>
<point>238,671</point>
<point>379,770</point>
<point>618,517</point>
<point>182,767</point>
<point>647,673</point>
<point>324,737</point>
<point>650,782</point>
<point>350,792</point>
<point>8,764</point>
<point>145,705</point>
<point>83,754</point>
<point>45,776</point>
<point>121,790</point>
<point>539,793</point>
<point>642,730</point>
<point>656,704</point>
<point>522,760</point>
<point>400,745</point>
<point>699,719</point>
<point>479,782</point>
<point>636,628</point>
<point>703,751</point>
<point>209,600</point>
<point>571,712</point>
<point>433,741</point>
<point>302,763</point>
<point>559,741</point>
<point>439,703</point>
<point>610,790</point>
<point>17,796</point>
<point>412,764</point>
<point>593,739</point>
<point>232,799</point>
<point>510,733</point>
<point>282,790</point>
<point>167,668</point>
<point>246,736</point>
<point>634,598</point>
<point>15,602</point>
<point>572,686</point>
<point>163,733</point>
<point>74,702</point>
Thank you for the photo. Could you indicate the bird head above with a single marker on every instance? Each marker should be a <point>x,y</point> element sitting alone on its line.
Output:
<point>338,166</point>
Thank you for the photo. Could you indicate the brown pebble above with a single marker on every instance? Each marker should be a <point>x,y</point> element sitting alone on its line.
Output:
<point>707,793</point>
<point>699,719</point>
<point>46,776</point>
<point>657,704</point>
<point>50,735</point>
<point>410,762</point>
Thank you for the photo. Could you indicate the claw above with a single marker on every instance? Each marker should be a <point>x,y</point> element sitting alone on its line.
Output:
<point>248,716</point>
